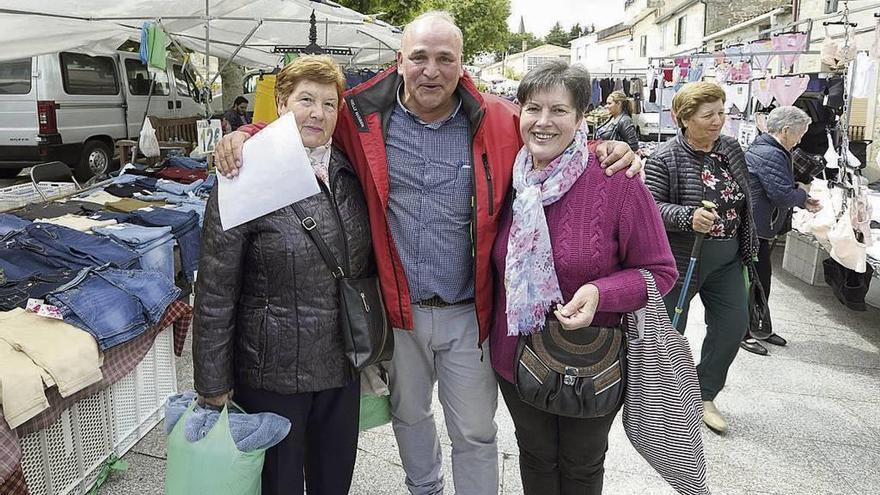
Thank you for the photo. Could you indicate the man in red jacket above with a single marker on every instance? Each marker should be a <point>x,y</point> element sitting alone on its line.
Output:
<point>434,157</point>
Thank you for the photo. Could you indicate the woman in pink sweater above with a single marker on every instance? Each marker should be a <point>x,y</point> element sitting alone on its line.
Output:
<point>567,257</point>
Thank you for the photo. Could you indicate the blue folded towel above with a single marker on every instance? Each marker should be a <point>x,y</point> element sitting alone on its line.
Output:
<point>249,431</point>
<point>187,162</point>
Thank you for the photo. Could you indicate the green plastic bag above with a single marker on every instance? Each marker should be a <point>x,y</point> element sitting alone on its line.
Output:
<point>375,411</point>
<point>213,464</point>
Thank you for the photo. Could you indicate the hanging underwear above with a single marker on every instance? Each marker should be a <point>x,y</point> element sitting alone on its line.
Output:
<point>737,96</point>
<point>834,93</point>
<point>762,92</point>
<point>721,72</point>
<point>787,89</point>
<point>736,53</point>
<point>790,42</point>
<point>739,72</point>
<point>833,55</point>
<point>719,57</point>
<point>761,61</point>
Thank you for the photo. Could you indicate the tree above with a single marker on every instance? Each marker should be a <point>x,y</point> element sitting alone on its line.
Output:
<point>576,32</point>
<point>557,36</point>
<point>514,42</point>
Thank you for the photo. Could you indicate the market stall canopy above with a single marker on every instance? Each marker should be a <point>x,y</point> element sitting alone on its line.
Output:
<point>99,26</point>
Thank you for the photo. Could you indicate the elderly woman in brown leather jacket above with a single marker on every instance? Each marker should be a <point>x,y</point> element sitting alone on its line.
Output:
<point>267,315</point>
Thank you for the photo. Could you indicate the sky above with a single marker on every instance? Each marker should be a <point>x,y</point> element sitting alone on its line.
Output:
<point>541,15</point>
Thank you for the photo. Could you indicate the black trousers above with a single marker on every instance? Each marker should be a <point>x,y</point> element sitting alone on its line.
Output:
<point>558,455</point>
<point>322,445</point>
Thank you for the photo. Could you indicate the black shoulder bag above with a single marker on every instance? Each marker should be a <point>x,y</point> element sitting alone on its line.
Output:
<point>576,373</point>
<point>367,336</point>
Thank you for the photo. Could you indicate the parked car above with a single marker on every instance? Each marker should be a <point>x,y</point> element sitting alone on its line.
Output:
<point>648,126</point>
<point>72,107</point>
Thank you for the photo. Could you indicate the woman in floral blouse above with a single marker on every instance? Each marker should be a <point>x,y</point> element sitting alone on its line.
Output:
<point>701,164</point>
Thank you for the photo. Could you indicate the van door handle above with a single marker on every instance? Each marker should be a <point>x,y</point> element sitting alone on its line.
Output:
<point>177,104</point>
<point>170,105</point>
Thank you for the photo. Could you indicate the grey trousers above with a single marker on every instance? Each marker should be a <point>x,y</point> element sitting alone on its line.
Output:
<point>443,349</point>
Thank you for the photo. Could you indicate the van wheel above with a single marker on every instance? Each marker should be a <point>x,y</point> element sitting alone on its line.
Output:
<point>9,173</point>
<point>94,160</point>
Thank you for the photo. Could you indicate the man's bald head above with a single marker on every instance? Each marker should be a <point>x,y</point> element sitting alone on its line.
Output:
<point>433,21</point>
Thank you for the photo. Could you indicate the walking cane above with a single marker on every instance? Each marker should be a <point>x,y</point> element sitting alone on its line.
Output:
<point>695,253</point>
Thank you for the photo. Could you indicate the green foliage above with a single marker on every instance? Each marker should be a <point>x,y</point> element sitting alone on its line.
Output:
<point>557,36</point>
<point>514,42</point>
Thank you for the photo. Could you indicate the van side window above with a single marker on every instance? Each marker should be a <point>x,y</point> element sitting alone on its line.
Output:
<point>15,77</point>
<point>184,84</point>
<point>139,79</point>
<point>85,75</point>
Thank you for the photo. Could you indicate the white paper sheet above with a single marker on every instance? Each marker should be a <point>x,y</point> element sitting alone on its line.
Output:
<point>275,173</point>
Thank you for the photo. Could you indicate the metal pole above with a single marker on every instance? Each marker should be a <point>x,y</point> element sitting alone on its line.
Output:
<point>207,57</point>
<point>234,53</point>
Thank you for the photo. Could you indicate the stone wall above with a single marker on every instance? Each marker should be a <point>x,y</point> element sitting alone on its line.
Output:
<point>722,14</point>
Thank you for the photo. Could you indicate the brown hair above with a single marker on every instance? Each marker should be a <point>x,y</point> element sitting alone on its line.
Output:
<point>691,96</point>
<point>625,104</point>
<point>317,68</point>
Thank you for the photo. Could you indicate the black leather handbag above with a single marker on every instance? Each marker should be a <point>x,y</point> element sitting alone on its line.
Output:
<point>366,333</point>
<point>576,373</point>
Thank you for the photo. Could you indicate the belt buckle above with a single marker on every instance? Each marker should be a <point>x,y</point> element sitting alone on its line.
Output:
<point>570,375</point>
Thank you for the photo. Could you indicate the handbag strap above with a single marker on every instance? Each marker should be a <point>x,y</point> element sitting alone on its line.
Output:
<point>311,227</point>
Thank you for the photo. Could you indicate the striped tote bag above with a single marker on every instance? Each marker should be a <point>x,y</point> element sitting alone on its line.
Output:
<point>662,409</point>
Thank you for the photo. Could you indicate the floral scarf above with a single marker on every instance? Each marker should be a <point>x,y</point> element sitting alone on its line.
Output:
<point>529,274</point>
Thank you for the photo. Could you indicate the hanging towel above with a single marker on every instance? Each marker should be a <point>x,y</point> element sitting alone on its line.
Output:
<point>144,43</point>
<point>863,76</point>
<point>156,41</point>
<point>787,89</point>
<point>762,92</point>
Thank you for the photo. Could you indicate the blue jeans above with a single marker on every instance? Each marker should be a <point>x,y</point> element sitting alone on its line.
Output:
<point>113,305</point>
<point>172,187</point>
<point>186,162</point>
<point>184,227</point>
<point>154,244</point>
<point>111,215</point>
<point>8,223</point>
<point>20,264</point>
<point>14,294</point>
<point>74,249</point>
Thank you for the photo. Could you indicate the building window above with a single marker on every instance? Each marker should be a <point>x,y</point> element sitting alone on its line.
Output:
<point>764,29</point>
<point>643,46</point>
<point>679,30</point>
<point>830,6</point>
<point>533,62</point>
<point>719,45</point>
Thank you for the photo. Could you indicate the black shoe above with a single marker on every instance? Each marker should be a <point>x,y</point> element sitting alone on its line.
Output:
<point>776,340</point>
<point>754,347</point>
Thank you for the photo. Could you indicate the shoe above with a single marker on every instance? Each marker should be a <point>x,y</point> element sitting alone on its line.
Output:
<point>754,346</point>
<point>713,419</point>
<point>775,340</point>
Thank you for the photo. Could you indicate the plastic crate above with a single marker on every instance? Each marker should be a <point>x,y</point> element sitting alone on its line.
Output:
<point>803,258</point>
<point>66,457</point>
<point>22,194</point>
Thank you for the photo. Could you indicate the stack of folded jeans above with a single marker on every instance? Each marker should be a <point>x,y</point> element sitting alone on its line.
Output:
<point>9,223</point>
<point>17,263</point>
<point>186,162</point>
<point>15,293</point>
<point>184,228</point>
<point>114,305</point>
<point>154,244</point>
<point>73,249</point>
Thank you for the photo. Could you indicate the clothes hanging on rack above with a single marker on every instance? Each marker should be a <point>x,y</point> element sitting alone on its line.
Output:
<point>652,97</point>
<point>596,94</point>
<point>739,72</point>
<point>834,93</point>
<point>737,95</point>
<point>762,92</point>
<point>789,42</point>
<point>761,61</point>
<point>719,57</point>
<point>787,89</point>
<point>626,89</point>
<point>736,53</point>
<point>833,55</point>
<point>695,73</point>
<point>618,84</point>
<point>863,76</point>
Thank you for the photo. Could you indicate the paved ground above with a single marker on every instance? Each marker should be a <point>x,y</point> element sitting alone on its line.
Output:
<point>805,420</point>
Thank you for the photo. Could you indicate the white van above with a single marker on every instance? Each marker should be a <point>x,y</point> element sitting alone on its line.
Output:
<point>72,107</point>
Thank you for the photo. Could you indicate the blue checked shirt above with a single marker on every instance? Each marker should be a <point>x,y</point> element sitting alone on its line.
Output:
<point>429,205</point>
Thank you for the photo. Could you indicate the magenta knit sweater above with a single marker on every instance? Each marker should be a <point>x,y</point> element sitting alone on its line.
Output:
<point>602,232</point>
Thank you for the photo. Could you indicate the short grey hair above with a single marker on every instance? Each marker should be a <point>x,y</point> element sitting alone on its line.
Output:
<point>433,15</point>
<point>788,116</point>
<point>555,73</point>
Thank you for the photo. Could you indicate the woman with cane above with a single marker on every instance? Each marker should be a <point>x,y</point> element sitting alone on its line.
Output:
<point>702,165</point>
